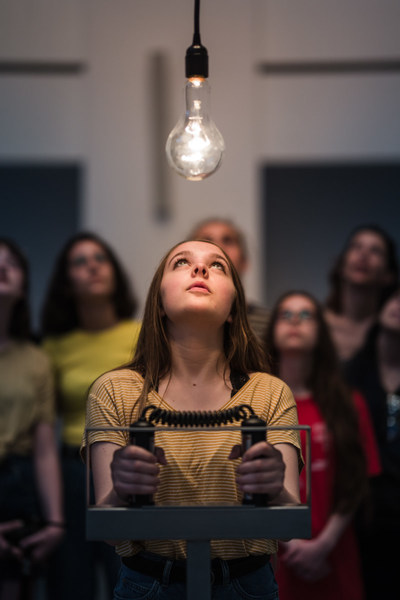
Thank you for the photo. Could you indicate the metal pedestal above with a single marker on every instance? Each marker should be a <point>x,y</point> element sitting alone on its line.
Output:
<point>198,525</point>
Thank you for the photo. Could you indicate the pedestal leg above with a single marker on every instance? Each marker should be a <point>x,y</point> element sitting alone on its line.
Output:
<point>198,585</point>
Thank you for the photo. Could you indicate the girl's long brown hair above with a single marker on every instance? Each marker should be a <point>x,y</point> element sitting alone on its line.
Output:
<point>334,400</point>
<point>59,313</point>
<point>152,359</point>
<point>19,326</point>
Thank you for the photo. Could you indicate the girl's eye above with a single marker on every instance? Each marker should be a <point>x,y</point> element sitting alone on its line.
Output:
<point>180,261</point>
<point>14,264</point>
<point>218,265</point>
<point>78,261</point>
<point>100,257</point>
<point>378,251</point>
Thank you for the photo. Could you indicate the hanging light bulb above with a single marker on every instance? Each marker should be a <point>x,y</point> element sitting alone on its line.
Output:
<point>195,146</point>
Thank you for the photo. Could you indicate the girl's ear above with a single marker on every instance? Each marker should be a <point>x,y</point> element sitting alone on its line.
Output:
<point>229,319</point>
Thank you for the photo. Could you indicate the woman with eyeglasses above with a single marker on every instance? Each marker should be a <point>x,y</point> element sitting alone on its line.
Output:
<point>343,453</point>
<point>88,329</point>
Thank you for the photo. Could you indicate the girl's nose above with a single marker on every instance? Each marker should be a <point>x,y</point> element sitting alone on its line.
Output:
<point>92,263</point>
<point>200,269</point>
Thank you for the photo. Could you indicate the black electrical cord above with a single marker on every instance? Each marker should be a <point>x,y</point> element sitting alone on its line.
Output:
<point>196,60</point>
<point>196,34</point>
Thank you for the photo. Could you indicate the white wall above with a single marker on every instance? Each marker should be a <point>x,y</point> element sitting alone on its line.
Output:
<point>333,116</point>
<point>324,118</point>
<point>123,36</point>
<point>42,117</point>
<point>103,117</point>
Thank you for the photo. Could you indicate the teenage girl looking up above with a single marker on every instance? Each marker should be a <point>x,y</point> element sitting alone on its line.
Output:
<point>88,329</point>
<point>196,352</point>
<point>30,482</point>
<point>343,449</point>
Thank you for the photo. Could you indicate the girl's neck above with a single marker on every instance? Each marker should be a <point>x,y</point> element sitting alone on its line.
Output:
<point>197,355</point>
<point>294,370</point>
<point>199,376</point>
<point>360,303</point>
<point>389,348</point>
<point>6,306</point>
<point>389,359</point>
<point>95,316</point>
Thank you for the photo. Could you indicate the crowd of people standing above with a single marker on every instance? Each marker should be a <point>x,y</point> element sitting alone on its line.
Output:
<point>335,364</point>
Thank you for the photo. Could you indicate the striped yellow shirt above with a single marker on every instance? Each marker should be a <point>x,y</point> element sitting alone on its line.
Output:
<point>198,470</point>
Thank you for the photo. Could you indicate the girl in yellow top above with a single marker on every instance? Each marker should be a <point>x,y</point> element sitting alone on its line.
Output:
<point>88,329</point>
<point>30,481</point>
<point>196,351</point>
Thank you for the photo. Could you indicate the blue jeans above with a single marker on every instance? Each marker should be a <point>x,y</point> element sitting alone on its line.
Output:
<point>258,585</point>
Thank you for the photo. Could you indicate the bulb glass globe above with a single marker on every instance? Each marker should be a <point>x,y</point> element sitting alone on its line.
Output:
<point>195,147</point>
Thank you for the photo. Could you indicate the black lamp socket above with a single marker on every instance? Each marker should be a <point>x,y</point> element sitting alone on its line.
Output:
<point>196,61</point>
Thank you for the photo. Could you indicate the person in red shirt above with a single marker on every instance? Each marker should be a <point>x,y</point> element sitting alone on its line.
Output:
<point>343,453</point>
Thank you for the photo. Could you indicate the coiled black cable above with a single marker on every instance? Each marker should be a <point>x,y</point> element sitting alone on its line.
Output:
<point>155,414</point>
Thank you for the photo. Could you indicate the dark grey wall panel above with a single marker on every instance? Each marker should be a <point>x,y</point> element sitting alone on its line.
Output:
<point>309,210</point>
<point>40,209</point>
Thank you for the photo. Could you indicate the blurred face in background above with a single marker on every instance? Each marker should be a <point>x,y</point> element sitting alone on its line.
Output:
<point>228,238</point>
<point>90,271</point>
<point>390,314</point>
<point>11,274</point>
<point>296,328</point>
<point>365,261</point>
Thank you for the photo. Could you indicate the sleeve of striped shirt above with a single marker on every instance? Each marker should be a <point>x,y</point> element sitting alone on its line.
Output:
<point>103,420</point>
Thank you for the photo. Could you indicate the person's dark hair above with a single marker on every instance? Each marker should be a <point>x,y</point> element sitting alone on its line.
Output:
<point>333,301</point>
<point>241,240</point>
<point>334,400</point>
<point>20,322</point>
<point>243,352</point>
<point>59,314</point>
